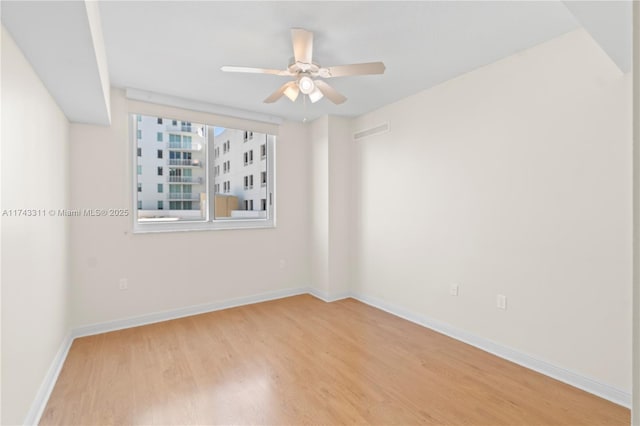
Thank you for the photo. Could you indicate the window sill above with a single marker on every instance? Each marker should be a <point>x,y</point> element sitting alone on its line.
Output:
<point>190,226</point>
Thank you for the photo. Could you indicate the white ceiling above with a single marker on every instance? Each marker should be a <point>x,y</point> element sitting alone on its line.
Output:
<point>177,47</point>
<point>63,42</point>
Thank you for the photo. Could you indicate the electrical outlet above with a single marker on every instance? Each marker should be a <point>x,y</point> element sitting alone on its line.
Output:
<point>501,302</point>
<point>123,284</point>
<point>453,290</point>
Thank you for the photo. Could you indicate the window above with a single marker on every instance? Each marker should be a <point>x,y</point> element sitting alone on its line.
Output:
<point>139,187</point>
<point>248,158</point>
<point>186,142</point>
<point>199,190</point>
<point>263,151</point>
<point>139,134</point>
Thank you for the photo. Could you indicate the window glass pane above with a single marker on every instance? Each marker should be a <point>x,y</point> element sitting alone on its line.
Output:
<point>180,163</point>
<point>235,201</point>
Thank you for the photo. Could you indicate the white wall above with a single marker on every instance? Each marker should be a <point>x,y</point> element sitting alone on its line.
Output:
<point>35,257</point>
<point>340,205</point>
<point>513,179</point>
<point>318,139</point>
<point>635,411</point>
<point>174,270</point>
<point>331,205</point>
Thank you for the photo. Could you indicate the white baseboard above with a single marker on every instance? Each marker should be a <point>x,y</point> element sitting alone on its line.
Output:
<point>105,327</point>
<point>574,379</point>
<point>49,381</point>
<point>326,297</point>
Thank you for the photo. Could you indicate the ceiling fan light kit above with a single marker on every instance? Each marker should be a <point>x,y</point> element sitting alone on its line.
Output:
<point>308,75</point>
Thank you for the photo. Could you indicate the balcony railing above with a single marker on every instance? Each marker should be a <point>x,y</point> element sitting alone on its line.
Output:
<point>182,162</point>
<point>185,179</point>
<point>181,128</point>
<point>184,195</point>
<point>187,146</point>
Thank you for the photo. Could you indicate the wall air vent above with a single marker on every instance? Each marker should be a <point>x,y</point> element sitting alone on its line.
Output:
<point>378,130</point>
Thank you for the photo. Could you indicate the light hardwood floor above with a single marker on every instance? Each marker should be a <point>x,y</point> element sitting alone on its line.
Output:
<point>303,361</point>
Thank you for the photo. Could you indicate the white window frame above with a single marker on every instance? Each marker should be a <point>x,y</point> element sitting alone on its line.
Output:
<point>209,222</point>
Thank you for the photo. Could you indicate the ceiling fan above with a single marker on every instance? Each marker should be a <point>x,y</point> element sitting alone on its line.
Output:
<point>307,75</point>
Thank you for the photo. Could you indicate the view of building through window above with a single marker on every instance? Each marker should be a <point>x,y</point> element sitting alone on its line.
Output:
<point>197,172</point>
<point>172,155</point>
<point>235,150</point>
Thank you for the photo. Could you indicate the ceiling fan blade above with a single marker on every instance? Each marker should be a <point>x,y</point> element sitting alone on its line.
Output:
<point>255,70</point>
<point>302,45</point>
<point>353,69</point>
<point>332,94</point>
<point>284,89</point>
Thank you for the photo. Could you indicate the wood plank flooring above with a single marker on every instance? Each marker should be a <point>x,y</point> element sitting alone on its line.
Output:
<point>300,361</point>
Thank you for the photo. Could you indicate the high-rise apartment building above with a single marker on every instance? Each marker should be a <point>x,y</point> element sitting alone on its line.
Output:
<point>171,156</point>
<point>240,170</point>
